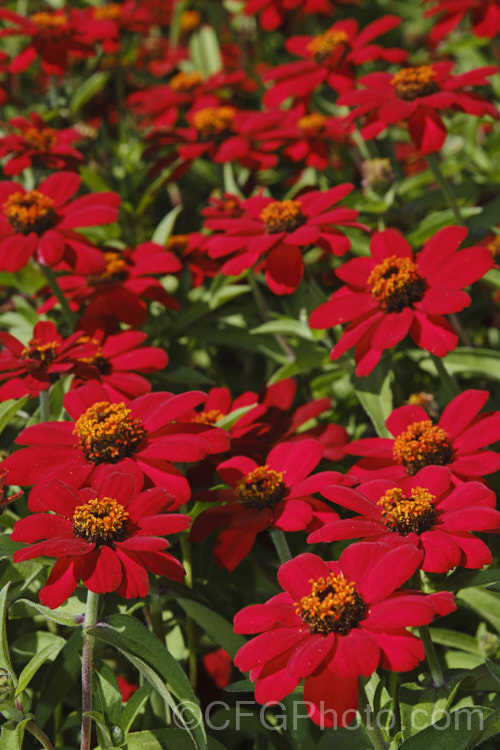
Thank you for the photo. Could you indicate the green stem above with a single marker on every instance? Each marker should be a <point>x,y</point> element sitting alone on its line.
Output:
<point>155,611</point>
<point>445,376</point>
<point>369,720</point>
<point>262,308</point>
<point>431,656</point>
<point>190,628</point>
<point>44,406</point>
<point>42,738</point>
<point>58,294</point>
<point>281,545</point>
<point>449,194</point>
<point>87,657</point>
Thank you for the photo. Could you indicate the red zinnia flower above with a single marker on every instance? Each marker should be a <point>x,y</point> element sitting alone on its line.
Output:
<point>39,223</point>
<point>117,361</point>
<point>457,441</point>
<point>416,95</point>
<point>334,622</point>
<point>426,510</point>
<point>34,367</point>
<point>37,144</point>
<point>309,137</point>
<point>107,537</point>
<point>330,58</point>
<point>105,23</point>
<point>484,15</point>
<point>190,250</point>
<point>278,230</point>
<point>272,13</point>
<point>141,437</point>
<point>393,293</point>
<point>55,37</point>
<point>276,494</point>
<point>116,294</point>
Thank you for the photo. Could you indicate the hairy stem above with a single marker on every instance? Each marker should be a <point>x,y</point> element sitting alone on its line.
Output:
<point>87,657</point>
<point>190,628</point>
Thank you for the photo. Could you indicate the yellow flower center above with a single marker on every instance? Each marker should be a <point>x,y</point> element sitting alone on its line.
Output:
<point>49,21</point>
<point>30,212</point>
<point>396,283</point>
<point>107,432</point>
<point>189,21</point>
<point>177,243</point>
<point>43,140</point>
<point>408,514</point>
<point>322,46</point>
<point>102,521</point>
<point>333,606</point>
<point>111,12</point>
<point>214,123</point>
<point>44,353</point>
<point>116,269</point>
<point>312,124</point>
<point>98,360</point>
<point>494,246</point>
<point>261,488</point>
<point>208,417</point>
<point>186,81</point>
<point>412,83</point>
<point>422,444</point>
<point>282,216</point>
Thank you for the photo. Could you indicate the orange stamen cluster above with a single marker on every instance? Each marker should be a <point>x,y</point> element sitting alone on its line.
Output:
<point>282,216</point>
<point>44,353</point>
<point>116,269</point>
<point>177,243</point>
<point>312,124</point>
<point>261,488</point>
<point>107,432</point>
<point>208,417</point>
<point>214,122</point>
<point>186,81</point>
<point>189,21</point>
<point>333,606</point>
<point>110,12</point>
<point>322,46</point>
<point>408,514</point>
<point>422,444</point>
<point>412,83</point>
<point>494,246</point>
<point>30,212</point>
<point>43,140</point>
<point>396,283</point>
<point>101,521</point>
<point>98,360</point>
<point>49,21</point>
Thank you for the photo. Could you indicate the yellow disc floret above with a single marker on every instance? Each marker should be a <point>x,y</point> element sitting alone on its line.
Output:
<point>322,46</point>
<point>333,606</point>
<point>107,432</point>
<point>261,488</point>
<point>412,83</point>
<point>101,521</point>
<point>422,444</point>
<point>30,212</point>
<point>396,283</point>
<point>214,123</point>
<point>404,514</point>
<point>282,216</point>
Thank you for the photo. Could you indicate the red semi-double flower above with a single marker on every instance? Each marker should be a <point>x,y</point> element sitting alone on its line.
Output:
<point>36,144</point>
<point>330,58</point>
<point>484,17</point>
<point>141,437</point>
<point>426,510</point>
<point>276,494</point>
<point>334,622</point>
<point>277,231</point>
<point>394,293</point>
<point>40,223</point>
<point>108,537</point>
<point>418,95</point>
<point>457,441</point>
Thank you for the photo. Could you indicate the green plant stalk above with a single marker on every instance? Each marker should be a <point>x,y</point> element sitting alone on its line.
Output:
<point>262,308</point>
<point>42,738</point>
<point>449,194</point>
<point>58,294</point>
<point>445,375</point>
<point>281,545</point>
<point>366,713</point>
<point>44,406</point>
<point>87,657</point>
<point>431,656</point>
<point>190,627</point>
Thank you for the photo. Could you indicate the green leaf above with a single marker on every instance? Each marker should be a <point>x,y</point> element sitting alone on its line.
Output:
<point>485,603</point>
<point>152,659</point>
<point>458,730</point>
<point>133,706</point>
<point>11,737</point>
<point>87,90</point>
<point>230,419</point>
<point>214,624</point>
<point>50,651</point>
<point>242,686</point>
<point>204,51</point>
<point>5,662</point>
<point>455,639</point>
<point>69,614</point>
<point>286,327</point>
<point>375,396</point>
<point>165,739</point>
<point>165,227</point>
<point>421,707</point>
<point>9,409</point>
<point>465,360</point>
<point>109,699</point>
